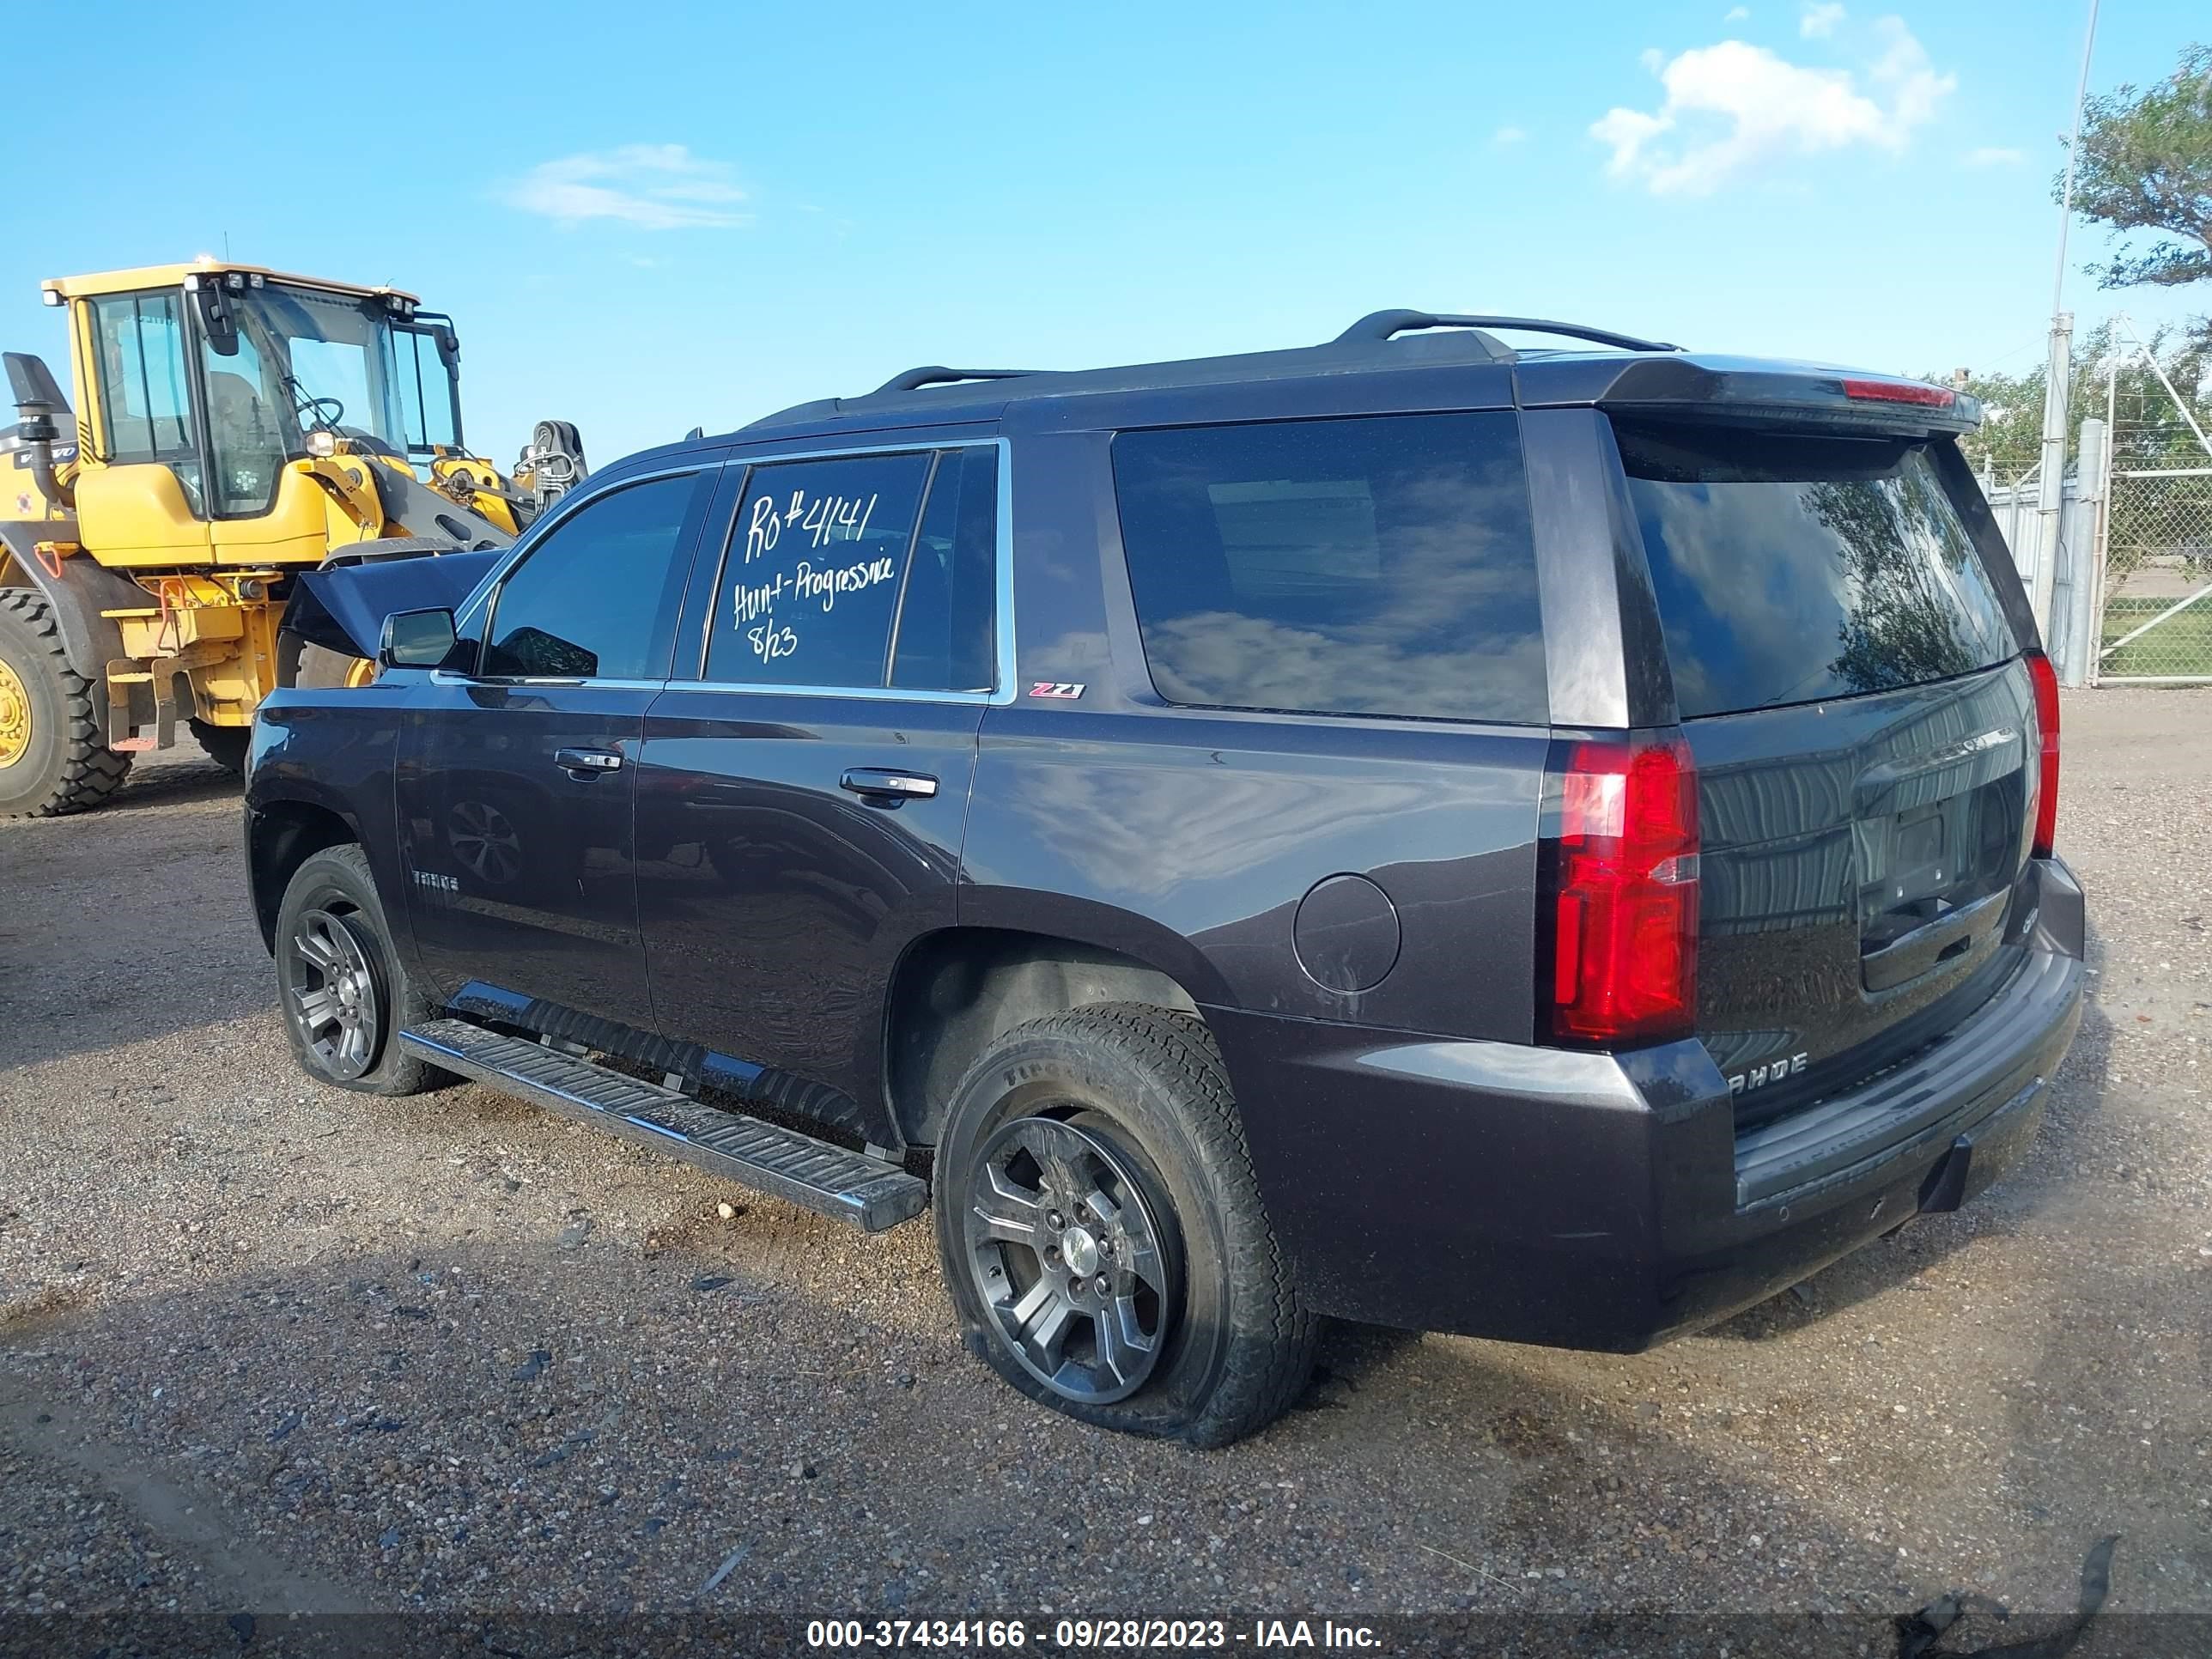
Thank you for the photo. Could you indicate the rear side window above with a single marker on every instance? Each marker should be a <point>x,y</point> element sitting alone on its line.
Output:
<point>1377,566</point>
<point>1796,568</point>
<point>942,638</point>
<point>810,581</point>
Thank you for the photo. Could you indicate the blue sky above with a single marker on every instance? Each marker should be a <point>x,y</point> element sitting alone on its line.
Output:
<point>651,217</point>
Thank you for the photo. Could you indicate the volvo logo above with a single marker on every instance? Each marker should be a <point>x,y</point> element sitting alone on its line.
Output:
<point>1759,1076</point>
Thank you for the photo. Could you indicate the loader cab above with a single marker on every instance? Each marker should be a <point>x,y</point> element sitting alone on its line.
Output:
<point>200,385</point>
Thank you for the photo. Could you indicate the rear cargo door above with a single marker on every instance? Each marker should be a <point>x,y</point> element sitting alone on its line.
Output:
<point>1865,735</point>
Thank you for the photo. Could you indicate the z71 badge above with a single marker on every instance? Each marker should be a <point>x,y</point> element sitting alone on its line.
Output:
<point>1057,687</point>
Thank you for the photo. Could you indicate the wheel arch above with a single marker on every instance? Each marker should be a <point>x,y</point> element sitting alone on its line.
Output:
<point>281,836</point>
<point>957,991</point>
<point>75,597</point>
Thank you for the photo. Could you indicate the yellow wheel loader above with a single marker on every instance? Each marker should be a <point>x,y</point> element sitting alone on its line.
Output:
<point>233,427</point>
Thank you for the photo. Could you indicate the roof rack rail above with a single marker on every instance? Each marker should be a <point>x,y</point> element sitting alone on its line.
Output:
<point>1382,324</point>
<point>936,375</point>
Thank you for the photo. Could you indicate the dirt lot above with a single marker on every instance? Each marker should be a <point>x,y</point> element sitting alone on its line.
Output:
<point>268,1346</point>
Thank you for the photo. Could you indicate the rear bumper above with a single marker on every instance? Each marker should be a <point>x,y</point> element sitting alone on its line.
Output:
<point>1607,1200</point>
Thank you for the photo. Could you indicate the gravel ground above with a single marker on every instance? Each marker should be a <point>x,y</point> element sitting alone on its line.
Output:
<point>269,1346</point>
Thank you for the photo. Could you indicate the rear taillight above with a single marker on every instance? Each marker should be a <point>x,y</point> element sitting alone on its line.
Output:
<point>1618,913</point>
<point>2045,680</point>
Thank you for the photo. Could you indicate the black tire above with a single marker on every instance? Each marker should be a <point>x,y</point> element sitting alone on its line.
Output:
<point>63,763</point>
<point>226,745</point>
<point>332,898</point>
<point>1235,1346</point>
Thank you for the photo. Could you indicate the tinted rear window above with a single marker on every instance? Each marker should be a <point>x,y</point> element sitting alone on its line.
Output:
<point>1354,567</point>
<point>1792,569</point>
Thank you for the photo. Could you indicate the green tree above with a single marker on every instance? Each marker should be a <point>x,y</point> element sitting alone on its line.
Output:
<point>2146,164</point>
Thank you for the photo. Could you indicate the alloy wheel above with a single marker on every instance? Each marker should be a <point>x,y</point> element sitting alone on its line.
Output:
<point>1069,1257</point>
<point>332,993</point>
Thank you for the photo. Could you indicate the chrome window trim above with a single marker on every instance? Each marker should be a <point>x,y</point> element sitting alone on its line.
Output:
<point>878,693</point>
<point>440,676</point>
<point>1002,617</point>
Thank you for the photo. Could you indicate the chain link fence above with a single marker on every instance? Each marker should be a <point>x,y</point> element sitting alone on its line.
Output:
<point>2158,576</point>
<point>2157,614</point>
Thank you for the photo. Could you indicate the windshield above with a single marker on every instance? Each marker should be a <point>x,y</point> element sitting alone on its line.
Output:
<point>343,363</point>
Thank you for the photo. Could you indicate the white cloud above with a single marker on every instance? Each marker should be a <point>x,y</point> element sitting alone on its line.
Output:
<point>1994,155</point>
<point>1509,136</point>
<point>1732,106</point>
<point>1819,21</point>
<point>1737,14</point>
<point>1904,69</point>
<point>653,187</point>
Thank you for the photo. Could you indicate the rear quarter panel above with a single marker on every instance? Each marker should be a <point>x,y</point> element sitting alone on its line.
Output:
<point>1188,838</point>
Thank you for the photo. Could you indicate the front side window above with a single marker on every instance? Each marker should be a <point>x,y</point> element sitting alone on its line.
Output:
<point>596,598</point>
<point>810,579</point>
<point>1377,566</point>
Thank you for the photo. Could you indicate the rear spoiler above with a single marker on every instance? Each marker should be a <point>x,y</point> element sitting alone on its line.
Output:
<point>1746,389</point>
<point>342,608</point>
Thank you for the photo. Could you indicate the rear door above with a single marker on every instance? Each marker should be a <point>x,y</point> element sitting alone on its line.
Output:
<point>515,783</point>
<point>1865,736</point>
<point>802,798</point>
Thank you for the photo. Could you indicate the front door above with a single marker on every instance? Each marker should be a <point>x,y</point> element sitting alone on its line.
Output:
<point>801,803</point>
<point>515,783</point>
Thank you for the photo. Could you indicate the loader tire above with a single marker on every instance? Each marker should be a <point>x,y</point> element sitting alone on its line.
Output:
<point>53,760</point>
<point>226,745</point>
<point>320,668</point>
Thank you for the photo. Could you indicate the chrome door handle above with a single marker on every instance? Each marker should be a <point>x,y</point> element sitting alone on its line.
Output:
<point>586,762</point>
<point>874,782</point>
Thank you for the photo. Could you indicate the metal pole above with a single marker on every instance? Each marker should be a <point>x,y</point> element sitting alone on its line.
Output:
<point>2059,367</point>
<point>2073,151</point>
<point>2075,621</point>
<point>2051,485</point>
<point>2093,636</point>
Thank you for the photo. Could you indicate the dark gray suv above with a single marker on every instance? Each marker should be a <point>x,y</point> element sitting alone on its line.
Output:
<point>1549,844</point>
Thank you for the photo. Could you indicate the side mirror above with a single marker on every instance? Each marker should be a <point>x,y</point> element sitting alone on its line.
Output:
<point>216,318</point>
<point>415,639</point>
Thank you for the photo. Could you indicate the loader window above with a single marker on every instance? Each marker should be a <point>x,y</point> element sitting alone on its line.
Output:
<point>332,361</point>
<point>337,372</point>
<point>145,406</point>
<point>423,386</point>
<point>246,444</point>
